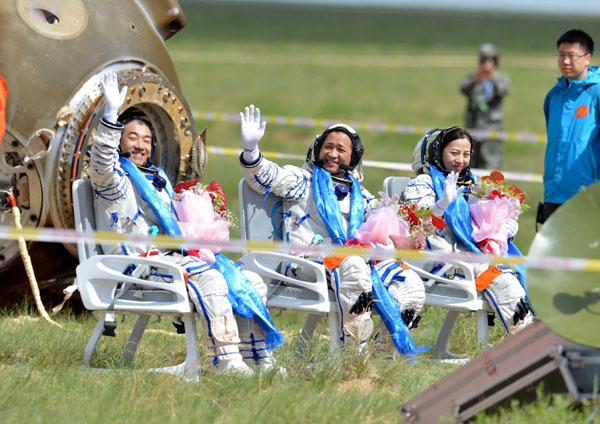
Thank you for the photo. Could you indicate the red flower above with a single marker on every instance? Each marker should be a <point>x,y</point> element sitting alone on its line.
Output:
<point>216,193</point>
<point>518,193</point>
<point>185,185</point>
<point>437,222</point>
<point>497,176</point>
<point>485,178</point>
<point>496,193</point>
<point>411,217</point>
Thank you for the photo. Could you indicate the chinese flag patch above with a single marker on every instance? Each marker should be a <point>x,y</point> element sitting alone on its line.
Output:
<point>582,111</point>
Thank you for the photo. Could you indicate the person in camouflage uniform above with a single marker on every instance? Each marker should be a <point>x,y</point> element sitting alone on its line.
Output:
<point>485,90</point>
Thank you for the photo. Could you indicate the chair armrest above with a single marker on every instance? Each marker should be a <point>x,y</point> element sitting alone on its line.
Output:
<point>266,264</point>
<point>465,285</point>
<point>98,277</point>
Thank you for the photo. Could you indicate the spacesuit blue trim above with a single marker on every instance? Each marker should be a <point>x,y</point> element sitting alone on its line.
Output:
<point>293,193</point>
<point>495,305</point>
<point>135,217</point>
<point>115,219</point>
<point>389,311</point>
<point>130,268</point>
<point>267,194</point>
<point>303,218</point>
<point>112,193</point>
<point>389,268</point>
<point>337,297</point>
<point>199,268</point>
<point>266,177</point>
<point>204,311</point>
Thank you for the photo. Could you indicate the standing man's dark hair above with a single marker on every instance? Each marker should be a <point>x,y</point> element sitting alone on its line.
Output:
<point>577,36</point>
<point>572,114</point>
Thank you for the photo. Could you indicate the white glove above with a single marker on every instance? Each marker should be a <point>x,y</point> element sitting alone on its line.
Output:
<point>450,193</point>
<point>512,226</point>
<point>252,130</point>
<point>114,98</point>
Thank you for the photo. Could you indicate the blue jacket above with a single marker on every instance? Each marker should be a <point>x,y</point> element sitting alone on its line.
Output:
<point>573,150</point>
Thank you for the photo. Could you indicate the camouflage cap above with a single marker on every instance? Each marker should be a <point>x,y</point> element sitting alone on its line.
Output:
<point>488,50</point>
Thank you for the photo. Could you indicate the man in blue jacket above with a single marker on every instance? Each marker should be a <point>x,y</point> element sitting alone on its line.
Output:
<point>572,112</point>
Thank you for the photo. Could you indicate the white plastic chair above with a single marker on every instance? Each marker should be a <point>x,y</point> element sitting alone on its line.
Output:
<point>457,294</point>
<point>105,287</point>
<point>284,292</point>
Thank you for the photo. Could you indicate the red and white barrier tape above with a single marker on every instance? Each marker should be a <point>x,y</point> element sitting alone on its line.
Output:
<point>55,235</point>
<point>397,166</point>
<point>369,126</point>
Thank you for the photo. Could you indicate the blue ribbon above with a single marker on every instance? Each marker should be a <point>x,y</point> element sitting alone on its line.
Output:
<point>391,316</point>
<point>329,208</point>
<point>458,217</point>
<point>246,301</point>
<point>163,212</point>
<point>457,213</point>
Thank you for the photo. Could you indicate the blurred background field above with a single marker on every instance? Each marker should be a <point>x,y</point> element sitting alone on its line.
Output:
<point>349,64</point>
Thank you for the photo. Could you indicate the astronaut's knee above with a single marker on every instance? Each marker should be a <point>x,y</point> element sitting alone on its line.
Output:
<point>258,283</point>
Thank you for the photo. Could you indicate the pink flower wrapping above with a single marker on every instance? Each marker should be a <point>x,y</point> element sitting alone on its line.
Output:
<point>493,205</point>
<point>384,226</point>
<point>489,216</point>
<point>198,219</point>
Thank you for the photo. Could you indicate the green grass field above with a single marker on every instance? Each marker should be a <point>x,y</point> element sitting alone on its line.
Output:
<point>345,64</point>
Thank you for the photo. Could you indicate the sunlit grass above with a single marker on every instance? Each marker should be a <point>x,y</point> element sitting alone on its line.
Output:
<point>41,379</point>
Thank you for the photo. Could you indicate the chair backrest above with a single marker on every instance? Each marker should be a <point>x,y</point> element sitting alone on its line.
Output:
<point>85,220</point>
<point>395,185</point>
<point>257,214</point>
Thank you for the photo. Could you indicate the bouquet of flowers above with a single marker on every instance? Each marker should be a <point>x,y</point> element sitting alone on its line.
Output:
<point>202,213</point>
<point>494,207</point>
<point>406,226</point>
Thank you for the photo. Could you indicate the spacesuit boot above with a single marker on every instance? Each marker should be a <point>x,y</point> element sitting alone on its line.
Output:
<point>506,296</point>
<point>253,338</point>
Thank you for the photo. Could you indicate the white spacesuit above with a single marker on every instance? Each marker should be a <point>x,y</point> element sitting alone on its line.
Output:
<point>304,222</point>
<point>504,293</point>
<point>122,205</point>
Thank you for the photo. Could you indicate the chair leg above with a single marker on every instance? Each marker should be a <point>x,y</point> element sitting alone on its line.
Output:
<point>483,331</point>
<point>440,348</point>
<point>134,338</point>
<point>334,332</point>
<point>307,332</point>
<point>93,342</point>
<point>192,356</point>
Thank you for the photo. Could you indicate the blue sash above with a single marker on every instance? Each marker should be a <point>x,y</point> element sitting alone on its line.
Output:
<point>391,316</point>
<point>163,212</point>
<point>329,208</point>
<point>457,213</point>
<point>245,299</point>
<point>459,218</point>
